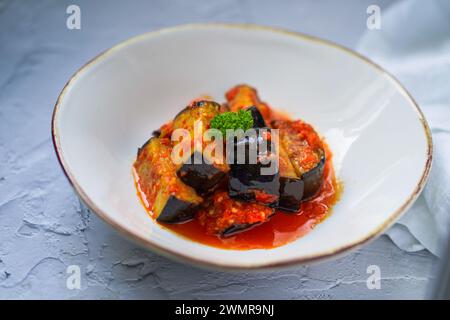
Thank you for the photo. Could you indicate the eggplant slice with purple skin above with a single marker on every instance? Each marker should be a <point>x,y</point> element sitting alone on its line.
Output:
<point>204,175</point>
<point>157,180</point>
<point>156,133</point>
<point>246,179</point>
<point>258,120</point>
<point>221,215</point>
<point>296,183</point>
<point>313,179</point>
<point>238,228</point>
<point>294,191</point>
<point>291,186</point>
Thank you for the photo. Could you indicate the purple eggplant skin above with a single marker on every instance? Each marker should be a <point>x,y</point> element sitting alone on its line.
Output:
<point>258,120</point>
<point>238,228</point>
<point>304,185</point>
<point>168,207</point>
<point>203,177</point>
<point>177,211</point>
<point>156,133</point>
<point>246,178</point>
<point>291,194</point>
<point>295,191</point>
<point>313,179</point>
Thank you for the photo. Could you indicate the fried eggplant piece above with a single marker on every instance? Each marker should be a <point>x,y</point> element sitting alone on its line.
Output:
<point>253,172</point>
<point>243,96</point>
<point>306,154</point>
<point>202,172</point>
<point>258,119</point>
<point>291,186</point>
<point>168,198</point>
<point>226,217</point>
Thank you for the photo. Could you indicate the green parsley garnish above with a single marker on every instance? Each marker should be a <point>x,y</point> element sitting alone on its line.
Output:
<point>232,120</point>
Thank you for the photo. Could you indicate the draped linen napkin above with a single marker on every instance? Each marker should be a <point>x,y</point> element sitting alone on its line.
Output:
<point>413,44</point>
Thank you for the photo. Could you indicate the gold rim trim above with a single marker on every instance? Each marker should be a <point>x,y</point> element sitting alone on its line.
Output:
<point>203,262</point>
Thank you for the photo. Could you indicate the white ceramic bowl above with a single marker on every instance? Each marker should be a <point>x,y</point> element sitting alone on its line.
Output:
<point>381,142</point>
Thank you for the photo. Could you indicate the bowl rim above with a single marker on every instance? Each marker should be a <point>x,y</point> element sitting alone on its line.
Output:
<point>201,262</point>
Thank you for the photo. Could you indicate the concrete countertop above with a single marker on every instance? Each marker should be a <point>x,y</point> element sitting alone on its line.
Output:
<point>44,228</point>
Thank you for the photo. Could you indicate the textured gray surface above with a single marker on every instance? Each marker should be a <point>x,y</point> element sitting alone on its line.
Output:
<point>43,226</point>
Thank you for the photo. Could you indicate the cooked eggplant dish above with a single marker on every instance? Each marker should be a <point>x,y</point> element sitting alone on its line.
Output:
<point>225,216</point>
<point>200,171</point>
<point>171,200</point>
<point>237,175</point>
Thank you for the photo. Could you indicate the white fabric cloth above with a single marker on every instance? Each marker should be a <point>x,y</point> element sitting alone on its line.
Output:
<point>414,45</point>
